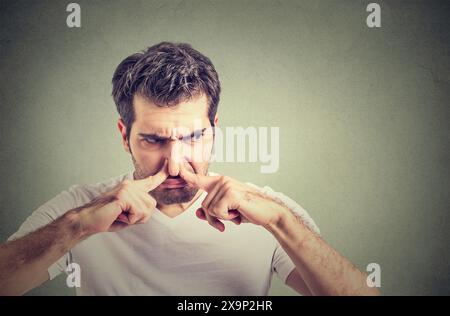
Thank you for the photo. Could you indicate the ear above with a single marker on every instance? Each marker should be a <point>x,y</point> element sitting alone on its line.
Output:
<point>123,132</point>
<point>216,120</point>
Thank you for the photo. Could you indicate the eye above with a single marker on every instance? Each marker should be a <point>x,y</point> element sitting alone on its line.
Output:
<point>197,136</point>
<point>151,141</point>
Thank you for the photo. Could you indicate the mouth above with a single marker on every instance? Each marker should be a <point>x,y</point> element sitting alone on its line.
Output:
<point>173,183</point>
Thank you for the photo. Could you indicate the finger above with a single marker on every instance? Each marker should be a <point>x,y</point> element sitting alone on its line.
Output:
<point>221,210</point>
<point>214,222</point>
<point>199,181</point>
<point>200,214</point>
<point>123,218</point>
<point>144,219</point>
<point>148,200</point>
<point>218,205</point>
<point>138,208</point>
<point>151,182</point>
<point>116,226</point>
<point>237,220</point>
<point>218,224</point>
<point>234,215</point>
<point>210,196</point>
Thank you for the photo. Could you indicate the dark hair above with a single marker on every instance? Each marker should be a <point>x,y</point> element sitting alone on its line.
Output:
<point>167,74</point>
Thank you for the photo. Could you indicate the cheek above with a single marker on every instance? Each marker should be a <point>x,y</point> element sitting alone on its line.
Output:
<point>139,150</point>
<point>147,161</point>
<point>150,162</point>
<point>199,168</point>
<point>200,153</point>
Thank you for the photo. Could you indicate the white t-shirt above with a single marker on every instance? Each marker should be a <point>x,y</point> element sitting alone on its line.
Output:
<point>169,256</point>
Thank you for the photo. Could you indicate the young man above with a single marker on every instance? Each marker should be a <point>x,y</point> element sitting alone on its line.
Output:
<point>167,98</point>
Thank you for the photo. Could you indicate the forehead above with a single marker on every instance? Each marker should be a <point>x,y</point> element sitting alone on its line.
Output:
<point>152,118</point>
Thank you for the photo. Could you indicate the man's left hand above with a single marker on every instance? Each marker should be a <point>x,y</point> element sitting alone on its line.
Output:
<point>229,199</point>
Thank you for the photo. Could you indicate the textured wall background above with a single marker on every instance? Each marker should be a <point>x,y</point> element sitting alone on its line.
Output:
<point>363,113</point>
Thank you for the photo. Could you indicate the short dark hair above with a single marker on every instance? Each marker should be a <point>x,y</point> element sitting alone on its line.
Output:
<point>167,74</point>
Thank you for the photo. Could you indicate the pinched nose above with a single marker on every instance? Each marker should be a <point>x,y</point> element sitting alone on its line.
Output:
<point>179,153</point>
<point>173,167</point>
<point>175,157</point>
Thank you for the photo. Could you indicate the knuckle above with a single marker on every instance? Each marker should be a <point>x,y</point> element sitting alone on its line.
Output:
<point>210,215</point>
<point>231,195</point>
<point>126,183</point>
<point>119,204</point>
<point>123,193</point>
<point>120,195</point>
<point>224,179</point>
<point>136,218</point>
<point>217,212</point>
<point>227,186</point>
<point>149,201</point>
<point>148,212</point>
<point>153,203</point>
<point>213,211</point>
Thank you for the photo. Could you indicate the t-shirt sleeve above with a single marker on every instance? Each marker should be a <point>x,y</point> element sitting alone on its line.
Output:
<point>282,264</point>
<point>46,214</point>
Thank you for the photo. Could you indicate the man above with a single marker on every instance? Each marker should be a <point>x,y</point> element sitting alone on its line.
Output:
<point>138,233</point>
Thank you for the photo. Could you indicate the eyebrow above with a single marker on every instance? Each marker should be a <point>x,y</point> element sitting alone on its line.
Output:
<point>155,136</point>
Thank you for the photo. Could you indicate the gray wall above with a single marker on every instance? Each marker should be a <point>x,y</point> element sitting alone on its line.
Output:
<point>363,113</point>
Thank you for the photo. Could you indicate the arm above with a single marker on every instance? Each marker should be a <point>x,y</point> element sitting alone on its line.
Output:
<point>24,262</point>
<point>295,281</point>
<point>322,268</point>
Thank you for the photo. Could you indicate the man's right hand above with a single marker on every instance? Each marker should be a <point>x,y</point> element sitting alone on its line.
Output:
<point>24,262</point>
<point>127,204</point>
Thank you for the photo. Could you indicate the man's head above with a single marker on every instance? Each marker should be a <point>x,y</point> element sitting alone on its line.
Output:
<point>167,97</point>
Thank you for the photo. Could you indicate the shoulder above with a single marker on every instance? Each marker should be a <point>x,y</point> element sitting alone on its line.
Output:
<point>74,196</point>
<point>78,195</point>
<point>84,193</point>
<point>291,204</point>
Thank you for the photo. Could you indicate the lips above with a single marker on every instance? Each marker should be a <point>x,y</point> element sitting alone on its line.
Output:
<point>173,182</point>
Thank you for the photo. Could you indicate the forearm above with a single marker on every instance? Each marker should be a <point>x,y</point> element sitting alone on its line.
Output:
<point>323,269</point>
<point>24,262</point>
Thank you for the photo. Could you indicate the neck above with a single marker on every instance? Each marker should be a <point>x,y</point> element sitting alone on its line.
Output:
<point>172,210</point>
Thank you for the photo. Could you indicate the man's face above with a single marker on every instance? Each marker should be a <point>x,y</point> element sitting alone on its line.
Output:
<point>180,134</point>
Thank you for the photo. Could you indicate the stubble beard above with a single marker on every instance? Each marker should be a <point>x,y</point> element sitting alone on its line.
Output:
<point>165,195</point>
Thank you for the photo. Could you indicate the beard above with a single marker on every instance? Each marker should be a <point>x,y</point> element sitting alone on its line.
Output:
<point>166,195</point>
<point>173,196</point>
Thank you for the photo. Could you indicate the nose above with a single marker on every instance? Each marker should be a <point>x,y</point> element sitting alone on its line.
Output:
<point>174,157</point>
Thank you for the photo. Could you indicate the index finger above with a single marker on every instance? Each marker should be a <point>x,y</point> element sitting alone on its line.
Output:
<point>197,180</point>
<point>151,182</point>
